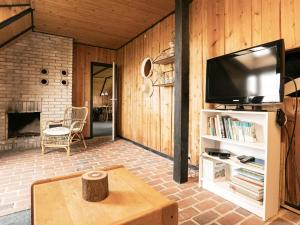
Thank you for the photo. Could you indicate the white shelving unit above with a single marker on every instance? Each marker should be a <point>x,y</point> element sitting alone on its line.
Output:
<point>267,148</point>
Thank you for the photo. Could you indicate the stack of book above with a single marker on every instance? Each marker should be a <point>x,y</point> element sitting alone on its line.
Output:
<point>248,183</point>
<point>258,163</point>
<point>231,128</point>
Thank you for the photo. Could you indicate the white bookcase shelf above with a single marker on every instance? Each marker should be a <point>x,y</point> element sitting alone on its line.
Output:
<point>233,161</point>
<point>256,145</point>
<point>266,148</point>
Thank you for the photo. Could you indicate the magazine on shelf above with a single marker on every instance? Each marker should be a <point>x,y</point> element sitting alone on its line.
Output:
<point>246,192</point>
<point>258,163</point>
<point>261,183</point>
<point>247,184</point>
<point>250,174</point>
<point>213,170</point>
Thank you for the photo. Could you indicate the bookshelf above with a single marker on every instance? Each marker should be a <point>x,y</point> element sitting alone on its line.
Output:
<point>266,147</point>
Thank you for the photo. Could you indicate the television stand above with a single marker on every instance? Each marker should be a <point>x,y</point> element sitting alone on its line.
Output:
<point>254,108</point>
<point>257,108</point>
<point>239,108</point>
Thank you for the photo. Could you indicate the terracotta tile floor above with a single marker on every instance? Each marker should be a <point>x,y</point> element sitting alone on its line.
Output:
<point>18,169</point>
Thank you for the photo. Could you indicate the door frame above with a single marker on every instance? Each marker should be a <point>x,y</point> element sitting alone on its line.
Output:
<point>115,93</point>
<point>92,91</point>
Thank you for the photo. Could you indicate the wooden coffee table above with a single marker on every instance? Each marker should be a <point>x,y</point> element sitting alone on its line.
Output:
<point>58,201</point>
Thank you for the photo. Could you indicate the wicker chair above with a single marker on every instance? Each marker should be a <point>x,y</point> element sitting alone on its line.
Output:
<point>61,134</point>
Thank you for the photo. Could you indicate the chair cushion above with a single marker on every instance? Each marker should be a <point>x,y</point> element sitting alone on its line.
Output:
<point>57,131</point>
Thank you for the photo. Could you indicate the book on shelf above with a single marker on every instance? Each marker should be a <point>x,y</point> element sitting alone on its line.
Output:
<point>231,128</point>
<point>221,126</point>
<point>211,126</point>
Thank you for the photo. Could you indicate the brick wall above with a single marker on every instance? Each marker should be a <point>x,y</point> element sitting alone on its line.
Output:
<point>20,80</point>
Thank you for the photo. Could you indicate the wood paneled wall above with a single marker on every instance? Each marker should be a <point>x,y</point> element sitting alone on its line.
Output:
<point>98,83</point>
<point>223,26</point>
<point>292,194</point>
<point>146,120</point>
<point>84,55</point>
<point>216,27</point>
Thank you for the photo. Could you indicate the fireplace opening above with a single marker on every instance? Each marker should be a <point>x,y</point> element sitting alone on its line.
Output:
<point>23,124</point>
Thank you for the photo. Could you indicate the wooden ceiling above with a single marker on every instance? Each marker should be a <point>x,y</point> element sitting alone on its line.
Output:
<point>102,72</point>
<point>105,23</point>
<point>13,2</point>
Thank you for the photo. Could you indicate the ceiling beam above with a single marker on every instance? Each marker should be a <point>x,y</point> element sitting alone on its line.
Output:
<point>14,5</point>
<point>15,37</point>
<point>15,17</point>
<point>100,71</point>
<point>102,89</point>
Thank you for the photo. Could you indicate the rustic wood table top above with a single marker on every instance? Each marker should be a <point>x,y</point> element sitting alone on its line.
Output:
<point>59,201</point>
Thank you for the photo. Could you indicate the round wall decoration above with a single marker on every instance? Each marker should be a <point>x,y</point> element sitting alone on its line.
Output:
<point>64,82</point>
<point>147,67</point>
<point>44,82</point>
<point>44,71</point>
<point>64,72</point>
<point>147,87</point>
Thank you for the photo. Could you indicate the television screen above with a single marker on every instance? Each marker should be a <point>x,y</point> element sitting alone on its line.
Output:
<point>250,76</point>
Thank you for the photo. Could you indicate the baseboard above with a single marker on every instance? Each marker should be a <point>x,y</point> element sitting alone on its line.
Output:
<point>191,166</point>
<point>284,205</point>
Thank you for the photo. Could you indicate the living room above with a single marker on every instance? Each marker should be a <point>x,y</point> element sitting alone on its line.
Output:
<point>177,116</point>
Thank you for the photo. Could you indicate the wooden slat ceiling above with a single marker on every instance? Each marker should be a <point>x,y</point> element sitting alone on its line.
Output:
<point>104,73</point>
<point>105,23</point>
<point>13,2</point>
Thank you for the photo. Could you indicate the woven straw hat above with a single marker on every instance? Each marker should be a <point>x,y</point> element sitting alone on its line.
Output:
<point>147,87</point>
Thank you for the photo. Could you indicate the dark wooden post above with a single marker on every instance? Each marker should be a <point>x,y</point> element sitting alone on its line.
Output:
<point>181,115</point>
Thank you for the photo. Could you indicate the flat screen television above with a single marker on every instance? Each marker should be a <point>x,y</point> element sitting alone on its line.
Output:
<point>250,76</point>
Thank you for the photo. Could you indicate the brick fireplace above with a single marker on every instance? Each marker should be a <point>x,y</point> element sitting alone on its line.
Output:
<point>26,101</point>
<point>23,124</point>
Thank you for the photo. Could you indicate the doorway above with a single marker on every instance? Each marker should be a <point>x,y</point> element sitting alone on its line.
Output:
<point>101,100</point>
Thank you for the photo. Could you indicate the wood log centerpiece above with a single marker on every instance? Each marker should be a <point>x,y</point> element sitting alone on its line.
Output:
<point>94,186</point>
